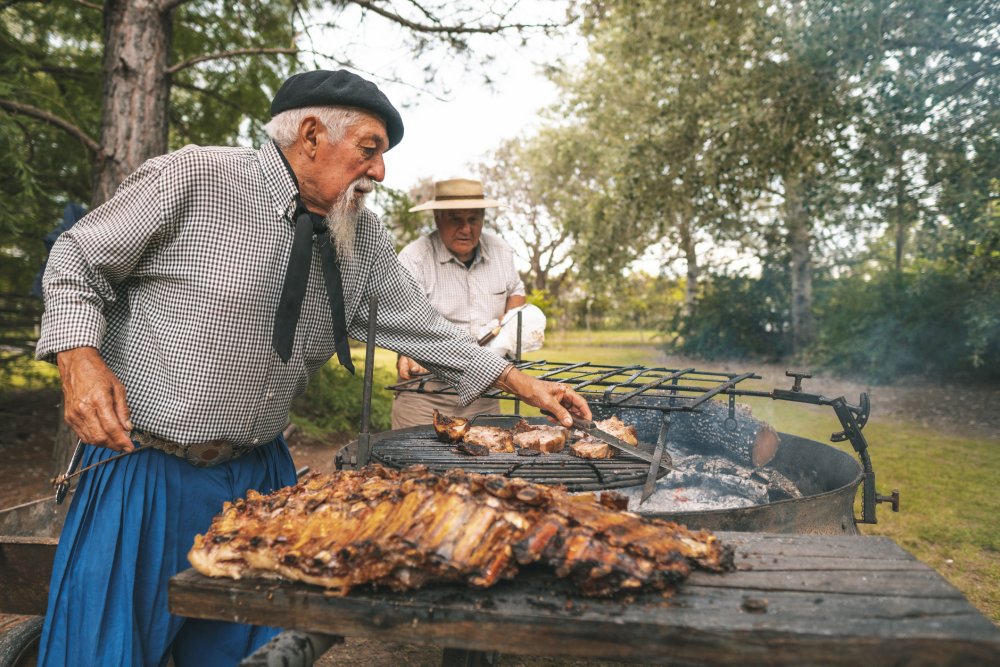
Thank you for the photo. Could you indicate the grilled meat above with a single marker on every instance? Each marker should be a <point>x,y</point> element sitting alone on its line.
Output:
<point>472,449</point>
<point>496,439</point>
<point>450,429</point>
<point>545,439</point>
<point>587,447</point>
<point>403,529</point>
<point>617,428</point>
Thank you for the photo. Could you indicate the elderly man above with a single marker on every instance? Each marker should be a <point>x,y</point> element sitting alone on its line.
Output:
<point>468,275</point>
<point>185,314</point>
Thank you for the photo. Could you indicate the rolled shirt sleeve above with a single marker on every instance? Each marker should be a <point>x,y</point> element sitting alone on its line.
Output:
<point>89,262</point>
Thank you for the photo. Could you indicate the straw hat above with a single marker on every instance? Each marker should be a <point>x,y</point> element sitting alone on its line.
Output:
<point>458,193</point>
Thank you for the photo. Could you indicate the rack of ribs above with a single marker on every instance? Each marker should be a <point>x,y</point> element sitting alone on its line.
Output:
<point>404,529</point>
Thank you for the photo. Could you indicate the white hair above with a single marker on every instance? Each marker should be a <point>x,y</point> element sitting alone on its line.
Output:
<point>284,127</point>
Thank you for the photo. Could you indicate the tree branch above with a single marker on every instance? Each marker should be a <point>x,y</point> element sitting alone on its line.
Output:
<point>428,28</point>
<point>171,4</point>
<point>89,5</point>
<point>53,120</point>
<point>221,55</point>
<point>212,94</point>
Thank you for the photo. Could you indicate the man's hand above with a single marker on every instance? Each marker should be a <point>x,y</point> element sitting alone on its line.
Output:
<point>95,406</point>
<point>555,398</point>
<point>407,368</point>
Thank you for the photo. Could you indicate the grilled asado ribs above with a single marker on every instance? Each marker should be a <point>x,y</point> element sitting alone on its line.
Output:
<point>404,529</point>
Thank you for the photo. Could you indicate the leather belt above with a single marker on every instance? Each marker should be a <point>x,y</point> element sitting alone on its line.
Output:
<point>202,454</point>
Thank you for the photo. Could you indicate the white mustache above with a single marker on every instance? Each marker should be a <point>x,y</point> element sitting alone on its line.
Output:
<point>363,185</point>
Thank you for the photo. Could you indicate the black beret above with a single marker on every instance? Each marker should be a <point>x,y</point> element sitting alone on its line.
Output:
<point>339,88</point>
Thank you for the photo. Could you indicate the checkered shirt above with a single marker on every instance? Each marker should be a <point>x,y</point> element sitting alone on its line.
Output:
<point>176,280</point>
<point>468,297</point>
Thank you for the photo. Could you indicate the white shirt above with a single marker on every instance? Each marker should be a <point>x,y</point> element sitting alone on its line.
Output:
<point>467,297</point>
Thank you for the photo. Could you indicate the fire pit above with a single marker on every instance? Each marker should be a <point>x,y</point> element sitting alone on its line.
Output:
<point>726,476</point>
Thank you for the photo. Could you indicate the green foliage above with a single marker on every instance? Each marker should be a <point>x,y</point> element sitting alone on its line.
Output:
<point>739,317</point>
<point>212,101</point>
<point>19,372</point>
<point>50,60</point>
<point>929,322</point>
<point>407,226</point>
<point>332,403</point>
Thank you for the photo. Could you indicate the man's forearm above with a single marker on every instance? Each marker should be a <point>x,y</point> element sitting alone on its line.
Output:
<point>514,301</point>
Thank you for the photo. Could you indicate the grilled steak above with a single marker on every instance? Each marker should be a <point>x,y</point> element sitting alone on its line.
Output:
<point>587,447</point>
<point>494,438</point>
<point>402,529</point>
<point>617,428</point>
<point>450,429</point>
<point>545,439</point>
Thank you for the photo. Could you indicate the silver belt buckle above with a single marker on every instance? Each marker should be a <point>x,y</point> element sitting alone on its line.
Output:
<point>201,454</point>
<point>207,454</point>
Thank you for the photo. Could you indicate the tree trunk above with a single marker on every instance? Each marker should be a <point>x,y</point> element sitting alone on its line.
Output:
<point>693,269</point>
<point>799,238</point>
<point>900,214</point>
<point>137,36</point>
<point>136,93</point>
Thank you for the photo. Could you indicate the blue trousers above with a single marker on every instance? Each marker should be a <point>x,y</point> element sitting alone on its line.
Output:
<point>128,530</point>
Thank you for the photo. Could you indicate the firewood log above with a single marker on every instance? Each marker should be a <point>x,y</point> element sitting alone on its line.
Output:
<point>743,438</point>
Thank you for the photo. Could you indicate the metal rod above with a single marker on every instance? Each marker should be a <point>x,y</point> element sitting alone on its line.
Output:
<point>364,437</point>
<point>517,359</point>
<point>654,466</point>
<point>652,385</point>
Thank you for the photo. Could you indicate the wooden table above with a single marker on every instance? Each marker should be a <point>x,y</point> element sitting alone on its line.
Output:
<point>794,600</point>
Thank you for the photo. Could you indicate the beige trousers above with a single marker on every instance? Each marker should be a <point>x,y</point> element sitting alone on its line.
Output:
<point>412,409</point>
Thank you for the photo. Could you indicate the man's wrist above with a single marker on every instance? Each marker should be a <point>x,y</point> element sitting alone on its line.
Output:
<point>503,380</point>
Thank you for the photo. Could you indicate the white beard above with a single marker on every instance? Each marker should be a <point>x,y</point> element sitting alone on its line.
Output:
<point>342,218</point>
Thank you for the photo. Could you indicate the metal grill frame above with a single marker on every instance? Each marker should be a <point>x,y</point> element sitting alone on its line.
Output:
<point>419,445</point>
<point>670,390</point>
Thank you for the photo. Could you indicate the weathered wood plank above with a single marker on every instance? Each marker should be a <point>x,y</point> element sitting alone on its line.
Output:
<point>820,546</point>
<point>712,628</point>
<point>746,561</point>
<point>916,583</point>
<point>785,615</point>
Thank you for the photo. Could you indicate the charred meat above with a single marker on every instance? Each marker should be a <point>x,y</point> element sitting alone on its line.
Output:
<point>471,449</point>
<point>404,529</point>
<point>450,429</point>
<point>494,438</point>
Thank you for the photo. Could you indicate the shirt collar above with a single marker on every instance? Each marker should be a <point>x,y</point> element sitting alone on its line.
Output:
<point>442,255</point>
<point>279,179</point>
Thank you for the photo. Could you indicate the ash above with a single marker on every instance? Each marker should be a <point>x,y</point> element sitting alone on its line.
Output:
<point>698,483</point>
